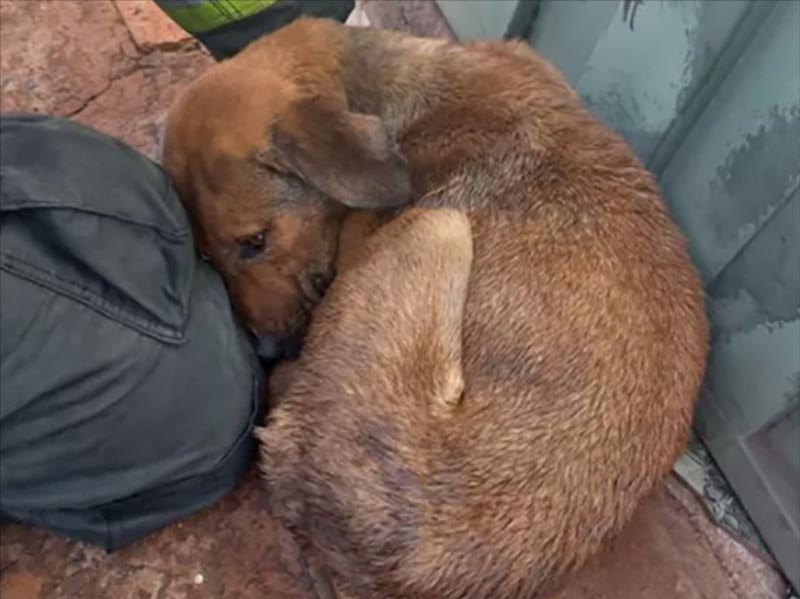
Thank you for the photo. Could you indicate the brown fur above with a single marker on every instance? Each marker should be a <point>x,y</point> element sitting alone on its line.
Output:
<point>502,372</point>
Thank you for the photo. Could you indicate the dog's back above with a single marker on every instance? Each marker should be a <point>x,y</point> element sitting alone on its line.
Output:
<point>582,345</point>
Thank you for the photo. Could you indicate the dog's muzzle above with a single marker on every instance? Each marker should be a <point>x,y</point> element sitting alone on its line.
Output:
<point>271,348</point>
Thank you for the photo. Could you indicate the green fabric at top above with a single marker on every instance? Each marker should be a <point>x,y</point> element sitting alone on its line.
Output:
<point>199,16</point>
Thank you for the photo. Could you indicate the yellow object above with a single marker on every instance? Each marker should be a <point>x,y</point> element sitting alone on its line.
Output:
<point>199,16</point>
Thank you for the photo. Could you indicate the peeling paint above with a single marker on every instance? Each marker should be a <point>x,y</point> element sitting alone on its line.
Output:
<point>731,143</point>
<point>751,373</point>
<point>706,34</point>
<point>762,285</point>
<point>765,164</point>
<point>621,109</point>
<point>792,396</point>
<point>638,81</point>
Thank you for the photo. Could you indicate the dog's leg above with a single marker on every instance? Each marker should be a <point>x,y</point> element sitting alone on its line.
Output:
<point>357,227</point>
<point>380,371</point>
<point>402,299</point>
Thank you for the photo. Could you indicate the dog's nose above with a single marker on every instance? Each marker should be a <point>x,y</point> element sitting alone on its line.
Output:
<point>271,348</point>
<point>291,347</point>
<point>268,347</point>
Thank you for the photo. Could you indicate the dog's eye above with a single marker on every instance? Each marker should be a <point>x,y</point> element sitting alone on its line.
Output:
<point>252,246</point>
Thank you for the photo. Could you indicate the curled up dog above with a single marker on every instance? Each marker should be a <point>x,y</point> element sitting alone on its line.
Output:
<point>505,367</point>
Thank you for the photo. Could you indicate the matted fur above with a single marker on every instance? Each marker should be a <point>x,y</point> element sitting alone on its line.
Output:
<point>500,374</point>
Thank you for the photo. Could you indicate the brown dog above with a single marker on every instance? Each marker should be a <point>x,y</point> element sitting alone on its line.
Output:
<point>503,371</point>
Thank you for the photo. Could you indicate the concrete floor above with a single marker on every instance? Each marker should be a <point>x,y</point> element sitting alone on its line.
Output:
<point>117,66</point>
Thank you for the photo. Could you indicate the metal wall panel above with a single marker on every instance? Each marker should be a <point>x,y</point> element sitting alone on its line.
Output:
<point>477,19</point>
<point>639,78</point>
<point>739,162</point>
<point>749,413</point>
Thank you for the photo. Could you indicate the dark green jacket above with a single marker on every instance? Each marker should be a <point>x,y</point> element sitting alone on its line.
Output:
<point>127,389</point>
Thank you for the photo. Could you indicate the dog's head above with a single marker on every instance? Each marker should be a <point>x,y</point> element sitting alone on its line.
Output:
<point>267,168</point>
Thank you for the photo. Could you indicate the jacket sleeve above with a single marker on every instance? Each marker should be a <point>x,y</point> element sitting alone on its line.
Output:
<point>226,26</point>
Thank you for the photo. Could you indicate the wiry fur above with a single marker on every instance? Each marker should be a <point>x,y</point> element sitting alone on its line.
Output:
<point>500,374</point>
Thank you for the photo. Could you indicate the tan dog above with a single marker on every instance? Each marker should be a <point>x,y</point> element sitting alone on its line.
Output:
<point>503,371</point>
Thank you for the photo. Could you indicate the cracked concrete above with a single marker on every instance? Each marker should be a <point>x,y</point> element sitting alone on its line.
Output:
<point>118,69</point>
<point>225,552</point>
<point>148,28</point>
<point>671,550</point>
<point>80,60</point>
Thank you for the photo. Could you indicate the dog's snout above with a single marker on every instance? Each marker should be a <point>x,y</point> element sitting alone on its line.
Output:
<point>271,348</point>
<point>268,347</point>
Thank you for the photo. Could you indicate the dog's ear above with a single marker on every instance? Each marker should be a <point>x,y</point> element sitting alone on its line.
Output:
<point>347,156</point>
